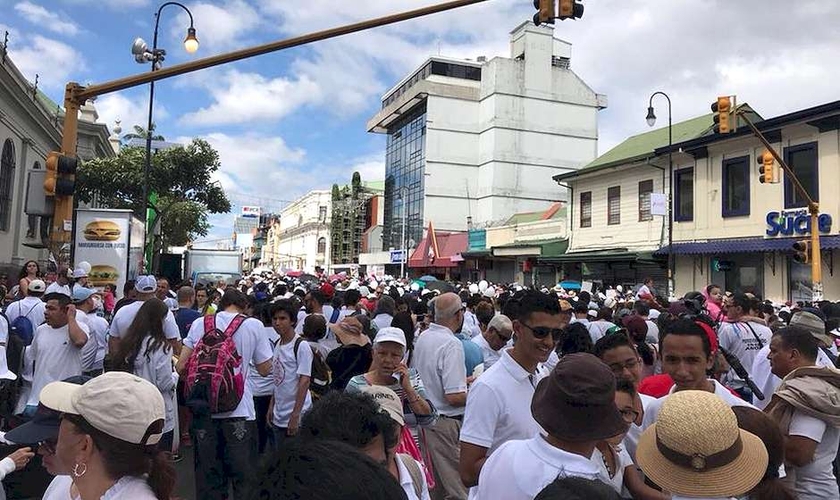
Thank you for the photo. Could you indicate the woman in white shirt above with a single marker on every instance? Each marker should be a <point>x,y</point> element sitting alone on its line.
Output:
<point>145,352</point>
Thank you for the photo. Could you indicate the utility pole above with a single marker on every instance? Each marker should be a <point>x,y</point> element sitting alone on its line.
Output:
<point>813,209</point>
<point>76,95</point>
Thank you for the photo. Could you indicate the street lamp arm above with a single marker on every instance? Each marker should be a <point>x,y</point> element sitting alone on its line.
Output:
<point>650,102</point>
<point>160,9</point>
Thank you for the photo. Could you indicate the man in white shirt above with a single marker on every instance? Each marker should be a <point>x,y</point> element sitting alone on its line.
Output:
<point>439,358</point>
<point>87,301</point>
<point>61,283</point>
<point>743,339</point>
<point>225,444</point>
<point>808,397</point>
<point>496,336</point>
<point>498,405</point>
<point>146,287</point>
<point>30,306</point>
<point>575,406</point>
<point>645,291</point>
<point>58,348</point>
<point>687,354</point>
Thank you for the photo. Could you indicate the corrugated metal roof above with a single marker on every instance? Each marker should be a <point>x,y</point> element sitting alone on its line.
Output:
<point>743,245</point>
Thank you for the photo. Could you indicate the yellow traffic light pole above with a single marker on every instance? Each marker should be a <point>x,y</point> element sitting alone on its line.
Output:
<point>813,209</point>
<point>76,95</point>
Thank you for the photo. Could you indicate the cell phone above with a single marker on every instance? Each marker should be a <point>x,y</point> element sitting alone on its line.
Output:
<point>397,376</point>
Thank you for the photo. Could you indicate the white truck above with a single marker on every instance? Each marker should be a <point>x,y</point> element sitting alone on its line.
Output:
<point>209,267</point>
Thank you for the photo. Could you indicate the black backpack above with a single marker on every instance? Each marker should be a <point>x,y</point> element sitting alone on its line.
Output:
<point>10,389</point>
<point>319,382</point>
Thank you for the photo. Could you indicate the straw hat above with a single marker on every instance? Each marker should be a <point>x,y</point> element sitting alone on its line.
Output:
<point>695,448</point>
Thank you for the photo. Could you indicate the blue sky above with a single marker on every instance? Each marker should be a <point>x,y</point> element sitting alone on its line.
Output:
<point>293,121</point>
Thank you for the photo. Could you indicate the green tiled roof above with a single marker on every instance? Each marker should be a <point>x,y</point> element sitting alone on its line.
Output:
<point>525,217</point>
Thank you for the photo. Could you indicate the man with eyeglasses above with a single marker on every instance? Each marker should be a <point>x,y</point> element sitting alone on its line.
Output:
<point>617,352</point>
<point>495,337</point>
<point>499,404</point>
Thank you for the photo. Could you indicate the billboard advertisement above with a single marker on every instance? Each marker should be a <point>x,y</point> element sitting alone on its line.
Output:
<point>102,239</point>
<point>251,212</point>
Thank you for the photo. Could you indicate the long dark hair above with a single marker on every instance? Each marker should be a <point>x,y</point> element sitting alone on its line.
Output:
<point>23,272</point>
<point>403,321</point>
<point>148,322</point>
<point>121,458</point>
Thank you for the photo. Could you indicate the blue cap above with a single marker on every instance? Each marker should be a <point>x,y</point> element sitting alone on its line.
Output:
<point>146,284</point>
<point>81,294</point>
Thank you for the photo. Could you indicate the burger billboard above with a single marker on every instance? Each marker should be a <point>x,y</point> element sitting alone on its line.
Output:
<point>102,238</point>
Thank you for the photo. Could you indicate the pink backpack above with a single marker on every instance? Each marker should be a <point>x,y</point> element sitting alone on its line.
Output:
<point>213,383</point>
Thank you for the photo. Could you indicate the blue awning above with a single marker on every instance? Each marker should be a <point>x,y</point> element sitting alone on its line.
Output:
<point>744,245</point>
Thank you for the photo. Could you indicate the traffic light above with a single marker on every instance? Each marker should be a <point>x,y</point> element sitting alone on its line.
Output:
<point>802,251</point>
<point>61,175</point>
<point>767,170</point>
<point>570,9</point>
<point>545,12</point>
<point>721,109</point>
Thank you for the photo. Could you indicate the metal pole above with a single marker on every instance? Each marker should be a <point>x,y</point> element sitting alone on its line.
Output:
<point>671,198</point>
<point>404,254</point>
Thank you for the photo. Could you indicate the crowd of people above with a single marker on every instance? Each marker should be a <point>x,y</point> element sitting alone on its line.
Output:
<point>350,388</point>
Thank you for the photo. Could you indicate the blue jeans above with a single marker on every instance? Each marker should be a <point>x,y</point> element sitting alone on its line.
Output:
<point>225,451</point>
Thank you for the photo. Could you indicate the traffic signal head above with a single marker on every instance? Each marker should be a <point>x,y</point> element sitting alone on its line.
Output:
<point>545,12</point>
<point>802,251</point>
<point>767,168</point>
<point>721,108</point>
<point>61,174</point>
<point>569,9</point>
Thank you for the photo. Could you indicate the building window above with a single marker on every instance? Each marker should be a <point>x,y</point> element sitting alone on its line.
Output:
<point>645,189</point>
<point>614,205</point>
<point>405,163</point>
<point>586,209</point>
<point>7,180</point>
<point>736,187</point>
<point>322,214</point>
<point>322,245</point>
<point>803,160</point>
<point>684,194</point>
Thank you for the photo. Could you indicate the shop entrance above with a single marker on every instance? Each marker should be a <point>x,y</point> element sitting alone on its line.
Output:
<point>739,273</point>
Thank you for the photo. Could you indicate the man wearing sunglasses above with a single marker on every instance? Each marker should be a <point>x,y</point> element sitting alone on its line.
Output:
<point>499,403</point>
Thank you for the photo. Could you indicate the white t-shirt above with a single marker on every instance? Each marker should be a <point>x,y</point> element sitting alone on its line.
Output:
<point>622,461</point>
<point>643,292</point>
<point>598,329</point>
<point>32,307</point>
<point>471,327</point>
<point>59,488</point>
<point>499,406</point>
<point>520,469</point>
<point>766,381</point>
<point>631,439</point>
<point>652,410</point>
<point>286,371</point>
<point>157,369</point>
<point>135,488</point>
<point>652,336</point>
<point>251,344</point>
<point>439,358</point>
<point>122,320</point>
<point>738,339</point>
<point>263,386</point>
<point>815,481</point>
<point>407,482</point>
<point>98,327</point>
<point>490,355</point>
<point>55,357</point>
<point>382,321</point>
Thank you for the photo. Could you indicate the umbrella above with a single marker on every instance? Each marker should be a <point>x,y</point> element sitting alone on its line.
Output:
<point>293,274</point>
<point>337,277</point>
<point>570,285</point>
<point>427,278</point>
<point>309,278</point>
<point>441,286</point>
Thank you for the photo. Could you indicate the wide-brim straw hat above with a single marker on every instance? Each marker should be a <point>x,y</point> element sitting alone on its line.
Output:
<point>695,448</point>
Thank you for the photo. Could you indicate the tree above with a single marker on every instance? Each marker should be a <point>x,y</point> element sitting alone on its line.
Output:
<point>181,176</point>
<point>140,133</point>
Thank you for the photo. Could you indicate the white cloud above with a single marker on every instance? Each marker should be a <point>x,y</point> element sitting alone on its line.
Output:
<point>131,109</point>
<point>46,19</point>
<point>54,62</point>
<point>247,97</point>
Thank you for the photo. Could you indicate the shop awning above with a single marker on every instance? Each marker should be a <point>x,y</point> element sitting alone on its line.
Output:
<point>743,245</point>
<point>614,255</point>
<point>537,248</point>
<point>439,250</point>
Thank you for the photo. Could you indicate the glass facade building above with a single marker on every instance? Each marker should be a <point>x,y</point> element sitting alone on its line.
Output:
<point>405,161</point>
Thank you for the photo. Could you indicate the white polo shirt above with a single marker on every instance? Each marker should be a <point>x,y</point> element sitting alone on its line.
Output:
<point>123,318</point>
<point>499,405</point>
<point>439,358</point>
<point>519,470</point>
<point>652,411</point>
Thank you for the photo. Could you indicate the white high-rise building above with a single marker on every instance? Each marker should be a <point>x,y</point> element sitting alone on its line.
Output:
<point>477,141</point>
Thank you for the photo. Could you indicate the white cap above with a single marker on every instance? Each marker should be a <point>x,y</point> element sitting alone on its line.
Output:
<point>37,286</point>
<point>145,284</point>
<point>79,273</point>
<point>390,334</point>
<point>121,405</point>
<point>653,314</point>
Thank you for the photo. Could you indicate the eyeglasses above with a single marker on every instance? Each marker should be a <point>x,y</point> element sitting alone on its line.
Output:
<point>504,338</point>
<point>542,332</point>
<point>630,365</point>
<point>629,415</point>
<point>48,446</point>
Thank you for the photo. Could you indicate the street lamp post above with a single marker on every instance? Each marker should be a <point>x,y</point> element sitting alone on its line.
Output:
<point>156,56</point>
<point>404,253</point>
<point>651,120</point>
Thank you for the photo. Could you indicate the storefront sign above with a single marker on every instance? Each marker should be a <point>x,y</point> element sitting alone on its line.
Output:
<point>721,265</point>
<point>795,222</point>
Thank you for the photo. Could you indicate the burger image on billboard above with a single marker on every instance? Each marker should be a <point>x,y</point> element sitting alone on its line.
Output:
<point>101,275</point>
<point>102,230</point>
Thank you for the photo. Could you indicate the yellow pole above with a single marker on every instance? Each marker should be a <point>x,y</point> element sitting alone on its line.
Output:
<point>816,257</point>
<point>60,232</point>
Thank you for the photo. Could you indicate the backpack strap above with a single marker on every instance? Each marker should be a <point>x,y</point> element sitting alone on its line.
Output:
<point>234,325</point>
<point>334,317</point>
<point>297,344</point>
<point>209,323</point>
<point>414,471</point>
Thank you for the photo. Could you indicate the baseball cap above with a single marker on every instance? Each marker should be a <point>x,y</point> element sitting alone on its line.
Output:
<point>390,334</point>
<point>81,294</point>
<point>119,404</point>
<point>146,284</point>
<point>79,273</point>
<point>37,286</point>
<point>328,290</point>
<point>388,401</point>
<point>44,424</point>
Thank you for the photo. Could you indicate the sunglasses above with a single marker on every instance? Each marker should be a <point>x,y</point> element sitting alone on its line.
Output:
<point>542,332</point>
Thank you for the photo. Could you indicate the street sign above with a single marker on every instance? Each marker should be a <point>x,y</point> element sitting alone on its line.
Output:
<point>396,256</point>
<point>658,204</point>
